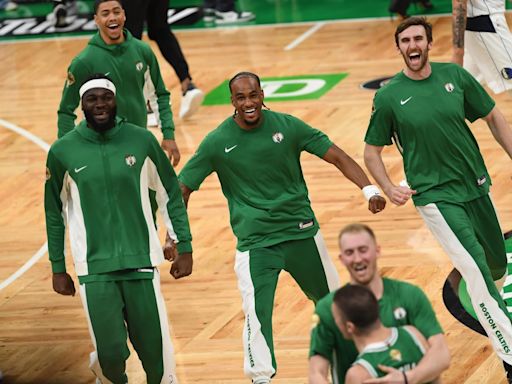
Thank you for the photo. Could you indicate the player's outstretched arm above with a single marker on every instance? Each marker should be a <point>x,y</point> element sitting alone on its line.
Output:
<point>500,129</point>
<point>352,171</point>
<point>399,195</point>
<point>318,370</point>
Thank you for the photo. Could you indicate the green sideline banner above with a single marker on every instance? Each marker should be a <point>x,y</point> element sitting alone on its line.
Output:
<point>303,87</point>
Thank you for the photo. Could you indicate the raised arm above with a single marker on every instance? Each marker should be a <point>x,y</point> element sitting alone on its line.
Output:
<point>352,171</point>
<point>459,15</point>
<point>373,160</point>
<point>500,129</point>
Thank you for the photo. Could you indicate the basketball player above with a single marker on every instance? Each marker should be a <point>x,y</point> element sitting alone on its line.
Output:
<point>400,304</point>
<point>256,155</point>
<point>482,42</point>
<point>356,312</point>
<point>423,110</point>
<point>132,66</point>
<point>97,181</point>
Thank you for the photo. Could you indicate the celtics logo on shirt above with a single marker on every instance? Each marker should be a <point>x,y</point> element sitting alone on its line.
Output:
<point>395,355</point>
<point>399,313</point>
<point>277,137</point>
<point>449,87</point>
<point>139,66</point>
<point>130,160</point>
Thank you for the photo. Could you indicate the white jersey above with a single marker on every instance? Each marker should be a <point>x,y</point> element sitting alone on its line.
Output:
<point>485,7</point>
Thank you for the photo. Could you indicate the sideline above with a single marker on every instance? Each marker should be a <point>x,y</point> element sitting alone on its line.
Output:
<point>44,248</point>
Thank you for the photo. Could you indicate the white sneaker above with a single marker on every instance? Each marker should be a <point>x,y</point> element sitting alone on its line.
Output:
<point>7,5</point>
<point>63,14</point>
<point>233,17</point>
<point>190,102</point>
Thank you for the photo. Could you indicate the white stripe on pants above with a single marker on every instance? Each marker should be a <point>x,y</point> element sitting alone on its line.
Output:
<point>257,357</point>
<point>495,322</point>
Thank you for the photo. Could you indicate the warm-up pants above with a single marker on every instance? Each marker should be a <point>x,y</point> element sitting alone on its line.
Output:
<point>470,234</point>
<point>258,270</point>
<point>133,308</point>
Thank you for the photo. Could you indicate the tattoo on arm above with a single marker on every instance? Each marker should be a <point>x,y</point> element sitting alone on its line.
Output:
<point>459,22</point>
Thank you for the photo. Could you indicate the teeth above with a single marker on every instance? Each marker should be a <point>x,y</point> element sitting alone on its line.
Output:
<point>250,110</point>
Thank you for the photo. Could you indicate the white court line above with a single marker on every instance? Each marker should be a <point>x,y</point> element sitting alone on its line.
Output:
<point>44,248</point>
<point>304,36</point>
<point>26,134</point>
<point>34,259</point>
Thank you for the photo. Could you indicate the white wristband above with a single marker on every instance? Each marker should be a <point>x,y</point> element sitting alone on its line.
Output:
<point>370,190</point>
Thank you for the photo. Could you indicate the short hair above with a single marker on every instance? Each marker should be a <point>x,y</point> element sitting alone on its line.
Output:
<point>415,20</point>
<point>356,228</point>
<point>357,305</point>
<point>240,75</point>
<point>98,2</point>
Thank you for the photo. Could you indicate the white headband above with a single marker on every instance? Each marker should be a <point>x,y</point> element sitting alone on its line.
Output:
<point>97,83</point>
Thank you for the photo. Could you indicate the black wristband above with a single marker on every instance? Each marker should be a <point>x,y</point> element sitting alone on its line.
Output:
<point>405,378</point>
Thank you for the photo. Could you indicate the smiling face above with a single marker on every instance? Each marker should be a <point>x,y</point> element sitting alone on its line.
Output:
<point>99,106</point>
<point>358,253</point>
<point>247,98</point>
<point>110,19</point>
<point>414,47</point>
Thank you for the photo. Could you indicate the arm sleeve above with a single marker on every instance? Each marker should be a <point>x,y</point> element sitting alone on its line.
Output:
<point>422,315</point>
<point>55,198</point>
<point>168,195</point>
<point>310,139</point>
<point>198,167</point>
<point>477,102</point>
<point>70,100</point>
<point>162,96</point>
<point>380,128</point>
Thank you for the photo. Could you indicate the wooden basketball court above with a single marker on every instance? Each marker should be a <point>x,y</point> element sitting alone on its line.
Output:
<point>44,336</point>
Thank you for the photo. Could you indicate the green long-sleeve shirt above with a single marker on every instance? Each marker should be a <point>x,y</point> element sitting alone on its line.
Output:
<point>98,185</point>
<point>133,68</point>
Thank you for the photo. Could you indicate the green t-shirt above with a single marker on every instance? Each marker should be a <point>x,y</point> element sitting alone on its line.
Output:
<point>426,120</point>
<point>261,177</point>
<point>401,304</point>
<point>402,351</point>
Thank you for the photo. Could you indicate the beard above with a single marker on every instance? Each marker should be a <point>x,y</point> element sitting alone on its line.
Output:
<point>422,63</point>
<point>101,127</point>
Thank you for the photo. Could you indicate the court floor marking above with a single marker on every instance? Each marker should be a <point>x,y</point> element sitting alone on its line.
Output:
<point>44,248</point>
<point>304,36</point>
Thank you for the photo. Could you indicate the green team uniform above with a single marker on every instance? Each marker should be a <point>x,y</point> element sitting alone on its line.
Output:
<point>134,70</point>
<point>98,185</point>
<point>401,304</point>
<point>271,216</point>
<point>442,162</point>
<point>402,351</point>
